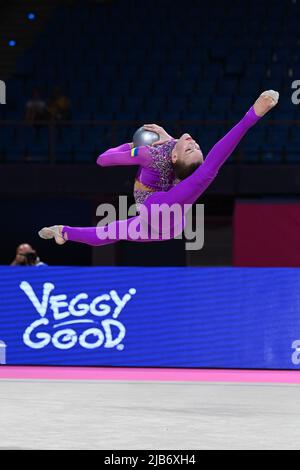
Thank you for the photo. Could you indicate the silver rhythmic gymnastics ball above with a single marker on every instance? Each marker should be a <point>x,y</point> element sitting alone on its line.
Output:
<point>142,137</point>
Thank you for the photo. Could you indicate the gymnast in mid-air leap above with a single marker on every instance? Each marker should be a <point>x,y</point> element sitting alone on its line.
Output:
<point>170,172</point>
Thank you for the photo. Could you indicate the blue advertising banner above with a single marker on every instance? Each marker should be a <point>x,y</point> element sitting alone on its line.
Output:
<point>244,318</point>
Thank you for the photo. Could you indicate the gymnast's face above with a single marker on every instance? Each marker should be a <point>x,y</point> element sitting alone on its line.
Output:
<point>187,151</point>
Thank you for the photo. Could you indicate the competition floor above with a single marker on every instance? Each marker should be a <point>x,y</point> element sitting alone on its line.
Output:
<point>52,413</point>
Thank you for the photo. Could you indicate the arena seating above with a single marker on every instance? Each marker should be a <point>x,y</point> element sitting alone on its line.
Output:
<point>175,63</point>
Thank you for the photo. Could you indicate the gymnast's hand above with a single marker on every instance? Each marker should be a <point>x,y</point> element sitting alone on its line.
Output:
<point>163,135</point>
<point>267,101</point>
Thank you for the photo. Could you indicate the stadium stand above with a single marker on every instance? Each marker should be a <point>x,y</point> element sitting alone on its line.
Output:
<point>177,63</point>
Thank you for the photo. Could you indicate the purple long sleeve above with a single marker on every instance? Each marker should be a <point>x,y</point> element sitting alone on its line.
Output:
<point>186,192</point>
<point>124,155</point>
<point>190,189</point>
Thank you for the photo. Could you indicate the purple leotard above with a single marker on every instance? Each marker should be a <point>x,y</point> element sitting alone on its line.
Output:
<point>165,192</point>
<point>155,166</point>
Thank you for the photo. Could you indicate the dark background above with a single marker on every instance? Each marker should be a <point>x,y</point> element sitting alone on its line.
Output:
<point>190,66</point>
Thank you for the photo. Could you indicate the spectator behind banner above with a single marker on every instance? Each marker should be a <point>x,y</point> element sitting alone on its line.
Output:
<point>36,109</point>
<point>59,106</point>
<point>26,256</point>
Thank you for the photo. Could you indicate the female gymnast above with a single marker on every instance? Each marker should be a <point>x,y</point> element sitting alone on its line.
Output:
<point>172,172</point>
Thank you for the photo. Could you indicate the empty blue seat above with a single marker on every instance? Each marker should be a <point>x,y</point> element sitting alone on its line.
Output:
<point>250,156</point>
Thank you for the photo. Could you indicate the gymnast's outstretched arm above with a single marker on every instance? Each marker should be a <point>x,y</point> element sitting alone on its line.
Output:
<point>190,189</point>
<point>125,155</point>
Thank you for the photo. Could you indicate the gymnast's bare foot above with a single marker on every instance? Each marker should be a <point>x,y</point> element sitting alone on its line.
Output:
<point>266,102</point>
<point>55,232</point>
